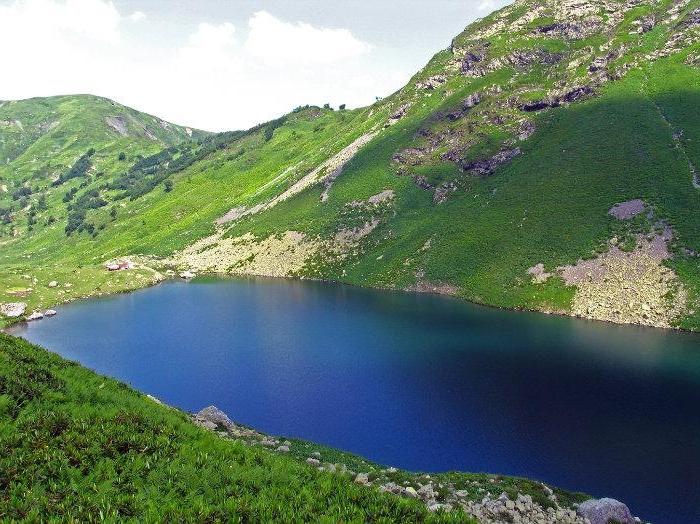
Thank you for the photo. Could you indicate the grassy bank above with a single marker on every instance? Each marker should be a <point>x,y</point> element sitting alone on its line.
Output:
<point>77,445</point>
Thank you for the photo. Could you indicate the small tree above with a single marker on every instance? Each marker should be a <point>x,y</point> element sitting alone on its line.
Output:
<point>41,205</point>
<point>341,107</point>
<point>168,185</point>
<point>122,156</point>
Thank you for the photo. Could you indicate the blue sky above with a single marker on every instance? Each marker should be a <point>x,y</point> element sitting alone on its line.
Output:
<point>221,65</point>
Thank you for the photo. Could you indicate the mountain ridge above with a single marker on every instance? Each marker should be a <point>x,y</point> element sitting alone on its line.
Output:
<point>492,175</point>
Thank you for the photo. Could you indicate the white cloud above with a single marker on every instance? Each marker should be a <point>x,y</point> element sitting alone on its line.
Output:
<point>40,22</point>
<point>211,47</point>
<point>137,16</point>
<point>487,6</point>
<point>213,78</point>
<point>272,69</point>
<point>276,41</point>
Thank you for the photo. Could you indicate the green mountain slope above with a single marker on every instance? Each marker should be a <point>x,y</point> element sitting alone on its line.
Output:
<point>42,139</point>
<point>546,160</point>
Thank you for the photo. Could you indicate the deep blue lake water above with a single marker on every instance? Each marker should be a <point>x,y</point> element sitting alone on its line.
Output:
<point>419,382</point>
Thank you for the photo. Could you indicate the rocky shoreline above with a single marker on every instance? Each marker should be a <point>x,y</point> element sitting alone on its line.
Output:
<point>490,499</point>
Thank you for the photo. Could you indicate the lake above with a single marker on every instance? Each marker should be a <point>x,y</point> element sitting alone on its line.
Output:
<point>414,381</point>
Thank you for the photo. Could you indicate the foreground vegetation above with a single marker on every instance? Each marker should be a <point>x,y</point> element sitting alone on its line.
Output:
<point>75,445</point>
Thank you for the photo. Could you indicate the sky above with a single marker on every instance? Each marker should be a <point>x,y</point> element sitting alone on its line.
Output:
<point>222,65</point>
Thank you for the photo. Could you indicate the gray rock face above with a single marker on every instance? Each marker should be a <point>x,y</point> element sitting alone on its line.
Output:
<point>602,511</point>
<point>487,167</point>
<point>213,415</point>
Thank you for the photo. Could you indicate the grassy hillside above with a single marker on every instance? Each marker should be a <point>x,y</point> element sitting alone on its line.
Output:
<point>78,446</point>
<point>494,175</point>
<point>43,139</point>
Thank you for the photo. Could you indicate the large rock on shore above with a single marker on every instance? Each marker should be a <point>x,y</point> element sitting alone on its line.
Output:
<point>602,511</point>
<point>13,309</point>
<point>212,418</point>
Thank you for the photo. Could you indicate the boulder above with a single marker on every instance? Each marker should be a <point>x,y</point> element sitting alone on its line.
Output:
<point>13,309</point>
<point>187,275</point>
<point>36,315</point>
<point>362,478</point>
<point>53,283</point>
<point>313,462</point>
<point>283,449</point>
<point>427,493</point>
<point>391,487</point>
<point>50,313</point>
<point>213,415</point>
<point>602,511</point>
<point>206,424</point>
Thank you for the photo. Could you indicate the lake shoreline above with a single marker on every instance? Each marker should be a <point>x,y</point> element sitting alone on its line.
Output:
<point>416,290</point>
<point>283,355</point>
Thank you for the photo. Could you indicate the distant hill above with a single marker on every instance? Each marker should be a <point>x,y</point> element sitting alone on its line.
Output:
<point>45,128</point>
<point>547,159</point>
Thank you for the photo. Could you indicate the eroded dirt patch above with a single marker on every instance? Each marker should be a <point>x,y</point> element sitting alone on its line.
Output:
<point>275,256</point>
<point>327,172</point>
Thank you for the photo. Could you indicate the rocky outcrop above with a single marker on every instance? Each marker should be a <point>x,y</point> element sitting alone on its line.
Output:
<point>574,30</point>
<point>397,115</point>
<point>628,209</point>
<point>432,82</point>
<point>36,315</point>
<point>604,511</point>
<point>692,19</point>
<point>567,97</point>
<point>212,418</point>
<point>471,62</point>
<point>522,509</point>
<point>488,167</point>
<point>118,123</point>
<point>629,287</point>
<point>13,309</point>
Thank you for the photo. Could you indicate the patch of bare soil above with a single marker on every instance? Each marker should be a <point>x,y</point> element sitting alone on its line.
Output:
<point>275,256</point>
